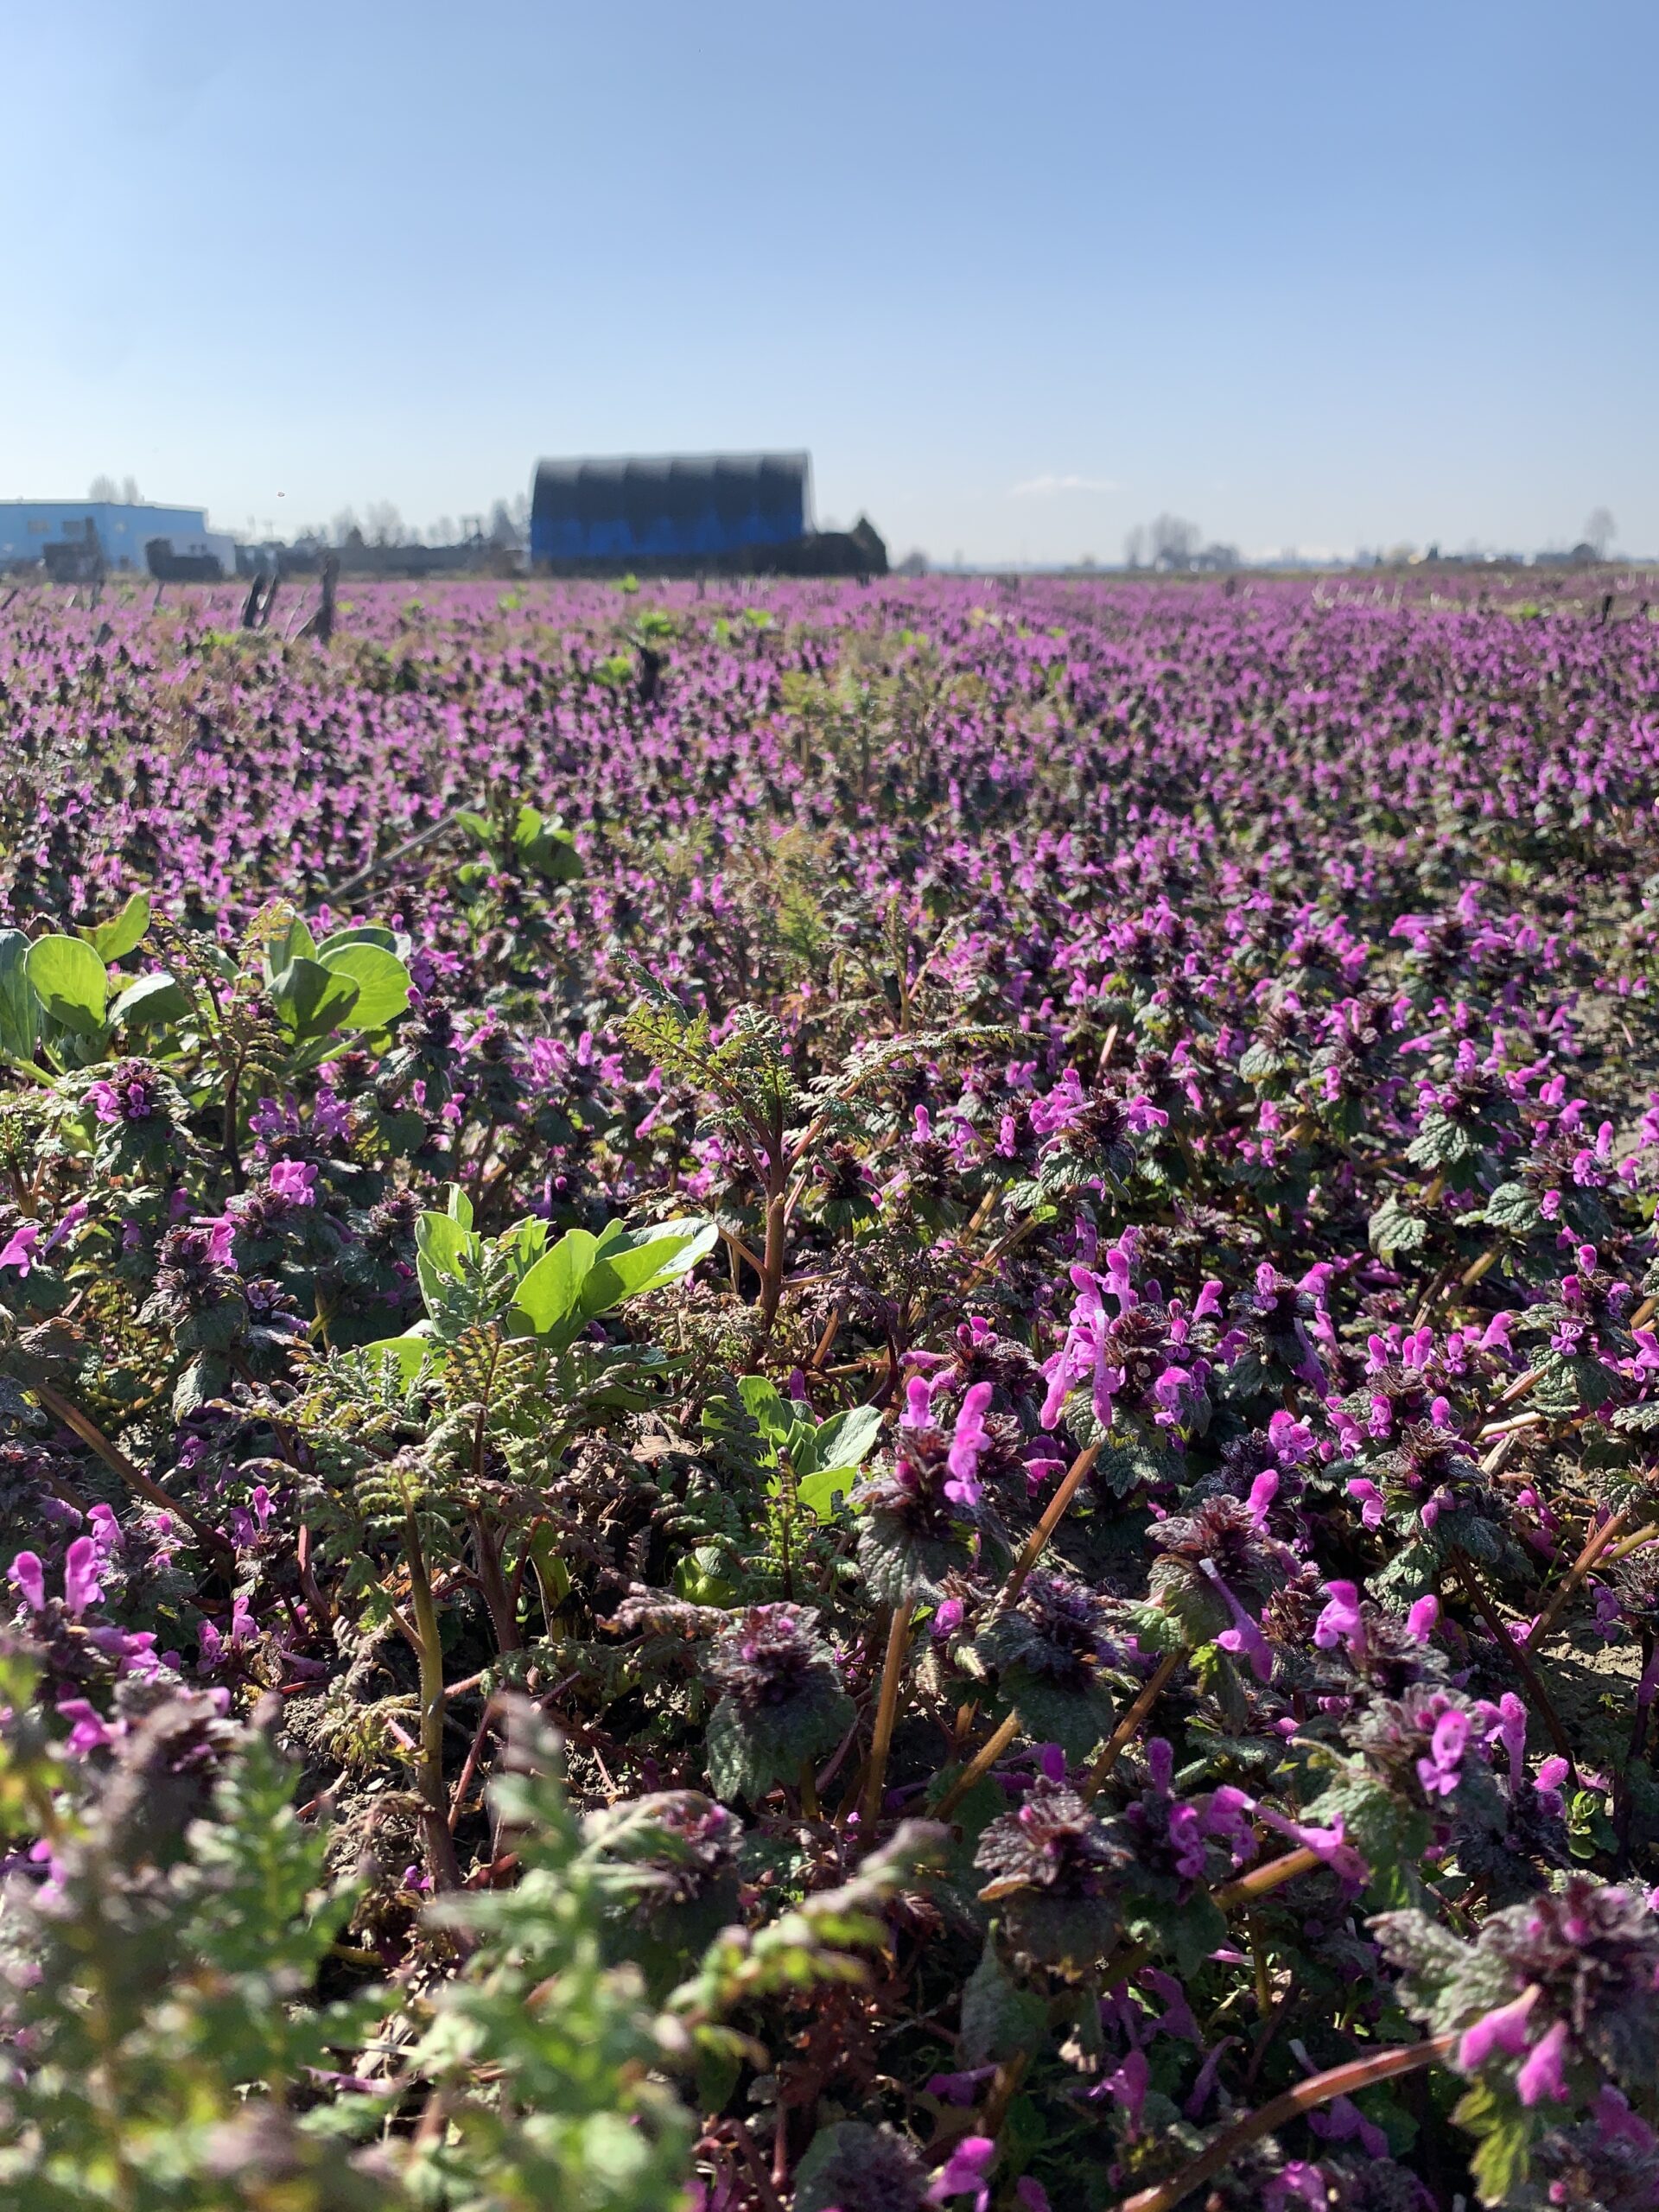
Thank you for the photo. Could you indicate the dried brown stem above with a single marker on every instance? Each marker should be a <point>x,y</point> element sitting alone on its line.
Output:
<point>1530,1679</point>
<point>886,1711</point>
<point>1151,1690</point>
<point>1075,1475</point>
<point>980,1764</point>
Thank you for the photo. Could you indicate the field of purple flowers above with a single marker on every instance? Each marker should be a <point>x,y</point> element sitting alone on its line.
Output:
<point>829,1397</point>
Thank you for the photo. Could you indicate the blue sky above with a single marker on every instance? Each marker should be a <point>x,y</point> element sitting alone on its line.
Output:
<point>1019,275</point>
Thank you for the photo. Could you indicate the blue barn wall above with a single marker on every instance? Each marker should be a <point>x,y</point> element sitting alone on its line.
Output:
<point>668,507</point>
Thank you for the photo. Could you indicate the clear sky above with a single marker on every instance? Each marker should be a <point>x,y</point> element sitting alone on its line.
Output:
<point>1020,275</point>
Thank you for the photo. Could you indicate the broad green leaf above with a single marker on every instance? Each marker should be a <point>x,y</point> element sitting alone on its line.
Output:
<point>825,1491</point>
<point>769,1411</point>
<point>458,1205</point>
<point>846,1440</point>
<point>68,979</point>
<point>524,1244</point>
<point>644,1259</point>
<point>382,983</point>
<point>550,1294</point>
<point>359,933</point>
<point>409,1352</point>
<point>546,847</point>
<point>20,1011</point>
<point>312,1001</point>
<point>440,1243</point>
<point>294,941</point>
<point>154,1001</point>
<point>113,939</point>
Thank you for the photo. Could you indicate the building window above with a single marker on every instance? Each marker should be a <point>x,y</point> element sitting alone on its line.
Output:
<point>38,528</point>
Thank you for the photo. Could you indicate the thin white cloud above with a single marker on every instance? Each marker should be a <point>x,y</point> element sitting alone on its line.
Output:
<point>1048,487</point>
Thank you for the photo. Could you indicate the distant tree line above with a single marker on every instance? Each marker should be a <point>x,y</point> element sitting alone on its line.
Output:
<point>1167,542</point>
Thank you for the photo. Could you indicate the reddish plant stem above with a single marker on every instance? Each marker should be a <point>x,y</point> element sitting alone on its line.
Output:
<point>1319,2089</point>
<point>1530,1679</point>
<point>481,1737</point>
<point>441,1863</point>
<point>1597,1543</point>
<point>117,1460</point>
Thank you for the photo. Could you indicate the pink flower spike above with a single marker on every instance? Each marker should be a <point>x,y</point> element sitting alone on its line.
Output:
<point>1129,2087</point>
<point>1341,1621</point>
<point>1500,2033</point>
<point>1031,2195</point>
<point>89,1733</point>
<point>918,1401</point>
<point>967,1443</point>
<point>1423,1618</point>
<point>16,1252</point>
<point>28,1578</point>
<point>1542,2076</point>
<point>81,1586</point>
<point>964,2169</point>
<point>1370,1501</point>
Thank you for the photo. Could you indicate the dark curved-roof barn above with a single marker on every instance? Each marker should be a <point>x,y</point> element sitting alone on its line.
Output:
<point>670,508</point>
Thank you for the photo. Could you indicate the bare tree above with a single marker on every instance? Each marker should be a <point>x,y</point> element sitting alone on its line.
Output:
<point>1174,542</point>
<point>383,524</point>
<point>130,496</point>
<point>1135,546</point>
<point>1598,532</point>
<point>103,490</point>
<point>343,524</point>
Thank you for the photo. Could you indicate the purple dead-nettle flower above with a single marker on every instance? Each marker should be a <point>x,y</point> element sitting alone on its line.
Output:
<point>28,1577</point>
<point>294,1181</point>
<point>1429,1743</point>
<point>781,1700</point>
<point>1271,1318</point>
<point>1215,1569</point>
<point>1430,1474</point>
<point>129,1093</point>
<point>768,1656</point>
<point>193,1277</point>
<point>919,1514</point>
<point>1055,1844</point>
<point>1050,1649</point>
<point>1606,2163</point>
<point>981,1355</point>
<point>1560,1995</point>
<point>967,1443</point>
<point>18,1250</point>
<point>682,1844</point>
<point>852,2167</point>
